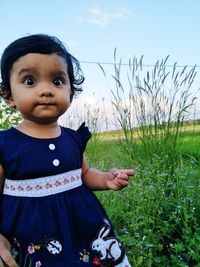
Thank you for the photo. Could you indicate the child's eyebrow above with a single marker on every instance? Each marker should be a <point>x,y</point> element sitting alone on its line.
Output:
<point>24,70</point>
<point>28,70</point>
<point>60,72</point>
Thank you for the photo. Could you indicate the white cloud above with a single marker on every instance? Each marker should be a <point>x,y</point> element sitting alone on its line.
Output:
<point>102,18</point>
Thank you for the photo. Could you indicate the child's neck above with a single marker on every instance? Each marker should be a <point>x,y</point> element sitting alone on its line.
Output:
<point>37,130</point>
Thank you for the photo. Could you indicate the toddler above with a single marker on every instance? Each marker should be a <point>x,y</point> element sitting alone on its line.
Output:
<point>49,215</point>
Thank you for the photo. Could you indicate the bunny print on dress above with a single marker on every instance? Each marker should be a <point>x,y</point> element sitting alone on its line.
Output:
<point>108,248</point>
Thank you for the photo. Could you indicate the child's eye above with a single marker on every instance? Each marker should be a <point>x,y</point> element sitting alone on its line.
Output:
<point>58,81</point>
<point>29,81</point>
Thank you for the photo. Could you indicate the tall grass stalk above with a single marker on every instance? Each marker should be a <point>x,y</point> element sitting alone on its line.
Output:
<point>93,114</point>
<point>152,105</point>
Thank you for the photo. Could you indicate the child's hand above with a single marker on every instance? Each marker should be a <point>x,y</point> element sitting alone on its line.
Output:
<point>118,179</point>
<point>6,258</point>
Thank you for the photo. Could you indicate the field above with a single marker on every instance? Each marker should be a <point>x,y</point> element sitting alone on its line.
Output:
<point>158,216</point>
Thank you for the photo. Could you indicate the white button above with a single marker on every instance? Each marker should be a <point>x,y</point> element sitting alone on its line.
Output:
<point>52,146</point>
<point>56,162</point>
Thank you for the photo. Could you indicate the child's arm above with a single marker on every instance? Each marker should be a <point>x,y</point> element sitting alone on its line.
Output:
<point>97,180</point>
<point>5,255</point>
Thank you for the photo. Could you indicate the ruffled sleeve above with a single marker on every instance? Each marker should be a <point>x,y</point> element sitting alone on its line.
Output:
<point>84,134</point>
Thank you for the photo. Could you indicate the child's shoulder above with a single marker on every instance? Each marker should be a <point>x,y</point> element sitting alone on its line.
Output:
<point>81,131</point>
<point>69,131</point>
<point>82,134</point>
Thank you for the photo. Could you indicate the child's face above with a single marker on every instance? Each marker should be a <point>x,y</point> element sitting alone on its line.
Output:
<point>40,87</point>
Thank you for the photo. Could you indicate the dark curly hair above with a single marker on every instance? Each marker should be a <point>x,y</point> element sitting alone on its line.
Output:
<point>42,44</point>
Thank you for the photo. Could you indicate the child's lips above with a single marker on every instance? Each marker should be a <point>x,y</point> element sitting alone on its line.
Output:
<point>47,104</point>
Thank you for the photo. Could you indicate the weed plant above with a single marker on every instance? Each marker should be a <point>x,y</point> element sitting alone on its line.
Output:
<point>152,105</point>
<point>157,217</point>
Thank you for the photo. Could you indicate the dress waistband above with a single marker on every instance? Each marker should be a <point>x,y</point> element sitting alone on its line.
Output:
<point>43,186</point>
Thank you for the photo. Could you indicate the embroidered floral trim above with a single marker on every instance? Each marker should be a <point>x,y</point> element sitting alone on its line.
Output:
<point>43,186</point>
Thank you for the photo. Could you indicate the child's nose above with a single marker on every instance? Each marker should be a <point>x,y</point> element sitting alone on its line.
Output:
<point>46,91</point>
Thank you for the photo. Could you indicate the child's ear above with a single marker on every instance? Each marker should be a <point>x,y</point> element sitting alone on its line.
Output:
<point>10,102</point>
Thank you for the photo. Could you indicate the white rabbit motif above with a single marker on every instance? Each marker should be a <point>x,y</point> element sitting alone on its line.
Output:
<point>107,247</point>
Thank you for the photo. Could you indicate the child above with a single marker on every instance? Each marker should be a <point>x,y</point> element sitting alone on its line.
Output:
<point>49,214</point>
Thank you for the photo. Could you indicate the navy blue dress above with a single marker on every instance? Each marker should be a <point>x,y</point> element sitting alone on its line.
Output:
<point>49,216</point>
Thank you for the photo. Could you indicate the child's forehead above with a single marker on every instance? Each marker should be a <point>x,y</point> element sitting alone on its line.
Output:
<point>38,60</point>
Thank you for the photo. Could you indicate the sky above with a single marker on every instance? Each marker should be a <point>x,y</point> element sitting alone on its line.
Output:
<point>92,29</point>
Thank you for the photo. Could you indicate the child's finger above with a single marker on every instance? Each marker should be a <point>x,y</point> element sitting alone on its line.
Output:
<point>122,182</point>
<point>114,185</point>
<point>129,172</point>
<point>122,175</point>
<point>7,258</point>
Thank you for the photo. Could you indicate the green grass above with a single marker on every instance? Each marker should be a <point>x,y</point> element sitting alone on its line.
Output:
<point>190,147</point>
<point>157,217</point>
